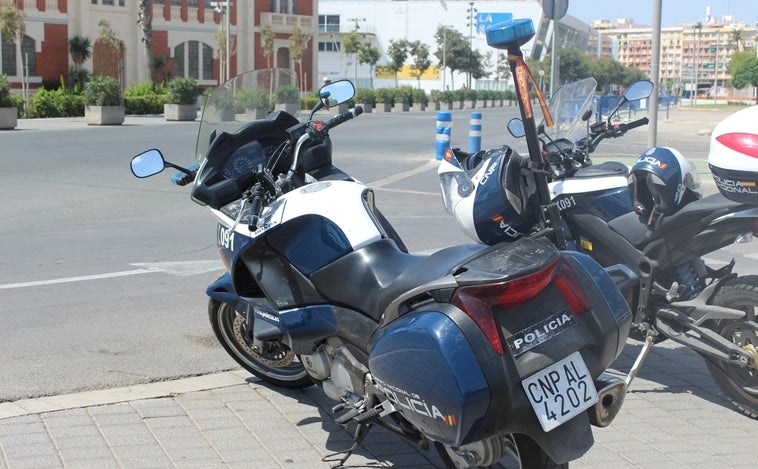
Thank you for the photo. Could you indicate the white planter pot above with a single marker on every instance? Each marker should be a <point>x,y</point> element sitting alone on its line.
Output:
<point>179,112</point>
<point>104,115</point>
<point>8,117</point>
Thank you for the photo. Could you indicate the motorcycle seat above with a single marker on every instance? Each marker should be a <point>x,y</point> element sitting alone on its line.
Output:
<point>609,168</point>
<point>370,278</point>
<point>692,217</point>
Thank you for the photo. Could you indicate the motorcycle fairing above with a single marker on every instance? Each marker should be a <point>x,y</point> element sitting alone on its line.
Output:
<point>211,186</point>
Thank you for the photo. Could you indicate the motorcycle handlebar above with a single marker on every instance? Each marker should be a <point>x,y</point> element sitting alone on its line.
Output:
<point>342,118</point>
<point>181,179</point>
<point>623,128</point>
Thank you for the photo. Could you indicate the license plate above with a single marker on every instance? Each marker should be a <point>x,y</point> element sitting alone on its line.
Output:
<point>560,391</point>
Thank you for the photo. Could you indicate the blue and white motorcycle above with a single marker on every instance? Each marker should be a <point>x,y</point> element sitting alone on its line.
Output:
<point>488,353</point>
<point>651,217</point>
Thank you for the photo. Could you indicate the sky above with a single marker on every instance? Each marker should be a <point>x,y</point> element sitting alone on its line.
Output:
<point>673,11</point>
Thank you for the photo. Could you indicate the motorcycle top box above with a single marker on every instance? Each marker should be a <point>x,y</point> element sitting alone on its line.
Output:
<point>733,156</point>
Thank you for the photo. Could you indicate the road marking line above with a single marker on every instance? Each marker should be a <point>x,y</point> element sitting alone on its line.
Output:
<point>82,278</point>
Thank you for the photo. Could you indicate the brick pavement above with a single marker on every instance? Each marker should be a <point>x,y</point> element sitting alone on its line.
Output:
<point>675,416</point>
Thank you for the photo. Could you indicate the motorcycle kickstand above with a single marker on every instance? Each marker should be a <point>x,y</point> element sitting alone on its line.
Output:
<point>361,430</point>
<point>650,336</point>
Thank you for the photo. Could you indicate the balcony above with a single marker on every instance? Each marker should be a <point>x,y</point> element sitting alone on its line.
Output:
<point>283,23</point>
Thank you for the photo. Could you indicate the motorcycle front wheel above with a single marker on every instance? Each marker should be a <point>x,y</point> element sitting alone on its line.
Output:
<point>231,332</point>
<point>740,384</point>
<point>498,452</point>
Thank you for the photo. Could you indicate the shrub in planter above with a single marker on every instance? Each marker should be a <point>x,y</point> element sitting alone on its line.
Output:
<point>386,97</point>
<point>8,110</point>
<point>256,103</point>
<point>183,90</point>
<point>220,104</point>
<point>181,101</point>
<point>448,97</point>
<point>288,98</point>
<point>103,91</point>
<point>459,96</point>
<point>366,97</point>
<point>103,101</point>
<point>419,99</point>
<point>471,96</point>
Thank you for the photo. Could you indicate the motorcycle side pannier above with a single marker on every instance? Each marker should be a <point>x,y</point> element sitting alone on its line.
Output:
<point>733,156</point>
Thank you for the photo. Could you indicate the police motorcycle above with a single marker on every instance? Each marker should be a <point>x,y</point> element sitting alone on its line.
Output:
<point>491,354</point>
<point>653,218</point>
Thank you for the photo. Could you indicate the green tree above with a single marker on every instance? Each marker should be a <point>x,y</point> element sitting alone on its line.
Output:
<point>12,28</point>
<point>573,65</point>
<point>267,41</point>
<point>12,24</point>
<point>453,50</point>
<point>298,44</point>
<point>606,71</point>
<point>502,68</point>
<point>351,45</point>
<point>398,53</point>
<point>421,61</point>
<point>370,55</point>
<point>744,70</point>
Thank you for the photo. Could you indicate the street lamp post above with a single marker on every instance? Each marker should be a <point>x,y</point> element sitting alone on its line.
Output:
<point>223,8</point>
<point>471,18</point>
<point>695,57</point>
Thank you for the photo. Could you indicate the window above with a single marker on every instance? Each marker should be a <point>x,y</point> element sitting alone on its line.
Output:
<point>288,7</point>
<point>329,46</point>
<point>9,62</point>
<point>328,23</point>
<point>194,59</point>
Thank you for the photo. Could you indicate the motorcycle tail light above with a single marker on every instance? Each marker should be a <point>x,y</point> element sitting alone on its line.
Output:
<point>741,142</point>
<point>478,301</point>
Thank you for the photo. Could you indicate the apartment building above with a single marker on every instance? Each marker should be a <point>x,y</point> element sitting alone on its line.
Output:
<point>692,57</point>
<point>185,38</point>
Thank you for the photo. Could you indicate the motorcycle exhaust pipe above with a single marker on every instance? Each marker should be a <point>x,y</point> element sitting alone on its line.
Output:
<point>610,392</point>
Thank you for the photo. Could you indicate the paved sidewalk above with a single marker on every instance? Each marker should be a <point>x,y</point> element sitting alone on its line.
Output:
<point>675,416</point>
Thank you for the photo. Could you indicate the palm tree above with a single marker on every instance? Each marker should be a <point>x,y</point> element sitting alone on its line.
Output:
<point>145,21</point>
<point>738,39</point>
<point>80,49</point>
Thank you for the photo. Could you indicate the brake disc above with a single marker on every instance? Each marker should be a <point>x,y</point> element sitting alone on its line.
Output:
<point>274,354</point>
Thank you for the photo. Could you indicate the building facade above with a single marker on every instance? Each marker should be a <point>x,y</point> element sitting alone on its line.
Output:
<point>186,38</point>
<point>692,57</point>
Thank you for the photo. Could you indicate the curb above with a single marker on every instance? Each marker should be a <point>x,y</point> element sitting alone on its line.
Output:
<point>124,394</point>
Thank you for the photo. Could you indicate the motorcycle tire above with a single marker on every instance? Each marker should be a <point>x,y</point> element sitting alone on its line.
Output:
<point>515,450</point>
<point>227,326</point>
<point>740,384</point>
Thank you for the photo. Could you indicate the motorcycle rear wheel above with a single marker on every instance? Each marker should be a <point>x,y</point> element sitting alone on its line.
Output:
<point>228,329</point>
<point>740,384</point>
<point>499,452</point>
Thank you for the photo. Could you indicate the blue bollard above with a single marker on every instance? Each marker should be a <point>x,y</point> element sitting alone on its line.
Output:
<point>444,128</point>
<point>475,133</point>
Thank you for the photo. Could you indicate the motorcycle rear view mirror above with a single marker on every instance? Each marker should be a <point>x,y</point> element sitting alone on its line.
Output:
<point>148,163</point>
<point>336,92</point>
<point>636,91</point>
<point>516,127</point>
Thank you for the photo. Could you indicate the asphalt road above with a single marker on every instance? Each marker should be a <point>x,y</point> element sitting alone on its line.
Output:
<point>102,275</point>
